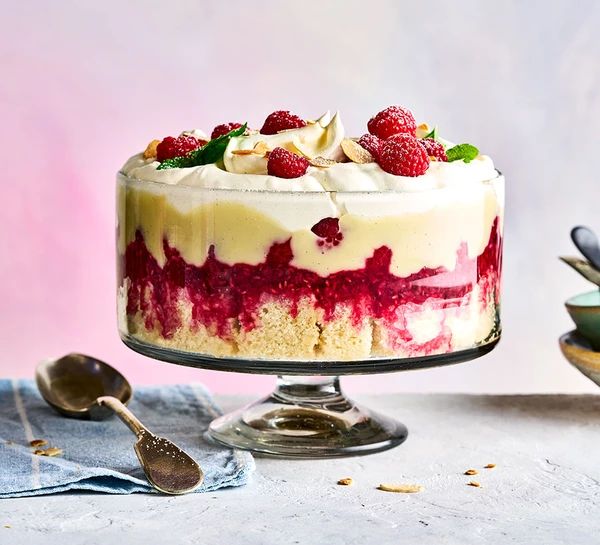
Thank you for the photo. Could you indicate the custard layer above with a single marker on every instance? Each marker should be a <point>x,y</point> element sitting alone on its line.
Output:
<point>426,231</point>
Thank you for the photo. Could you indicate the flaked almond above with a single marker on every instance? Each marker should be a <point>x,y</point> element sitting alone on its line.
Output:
<point>471,472</point>
<point>321,162</point>
<point>150,151</point>
<point>346,481</point>
<point>261,148</point>
<point>52,451</point>
<point>422,130</point>
<point>490,466</point>
<point>474,483</point>
<point>355,152</point>
<point>282,131</point>
<point>401,488</point>
<point>39,452</point>
<point>38,442</point>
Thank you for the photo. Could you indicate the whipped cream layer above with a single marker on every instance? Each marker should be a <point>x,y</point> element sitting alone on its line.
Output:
<point>339,177</point>
<point>320,138</point>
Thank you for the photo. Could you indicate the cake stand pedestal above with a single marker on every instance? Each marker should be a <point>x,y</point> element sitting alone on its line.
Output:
<point>307,416</point>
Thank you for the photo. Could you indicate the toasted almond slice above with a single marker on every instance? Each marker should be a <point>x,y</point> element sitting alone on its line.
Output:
<point>150,151</point>
<point>346,481</point>
<point>471,472</point>
<point>261,148</point>
<point>490,466</point>
<point>321,162</point>
<point>52,451</point>
<point>474,483</point>
<point>355,152</point>
<point>401,488</point>
<point>422,130</point>
<point>39,452</point>
<point>38,442</point>
<point>288,130</point>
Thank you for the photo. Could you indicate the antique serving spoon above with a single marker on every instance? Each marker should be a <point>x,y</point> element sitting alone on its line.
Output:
<point>587,243</point>
<point>80,386</point>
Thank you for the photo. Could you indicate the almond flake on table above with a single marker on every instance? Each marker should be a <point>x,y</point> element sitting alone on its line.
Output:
<point>401,488</point>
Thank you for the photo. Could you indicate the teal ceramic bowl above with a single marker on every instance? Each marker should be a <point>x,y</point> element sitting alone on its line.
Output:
<point>584,309</point>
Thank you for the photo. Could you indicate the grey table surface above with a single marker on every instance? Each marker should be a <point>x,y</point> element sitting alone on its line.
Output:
<point>545,487</point>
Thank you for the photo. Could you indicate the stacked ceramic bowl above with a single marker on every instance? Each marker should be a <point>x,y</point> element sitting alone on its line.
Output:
<point>582,345</point>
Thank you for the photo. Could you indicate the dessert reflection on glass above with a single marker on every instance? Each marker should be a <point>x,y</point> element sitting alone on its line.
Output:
<point>296,242</point>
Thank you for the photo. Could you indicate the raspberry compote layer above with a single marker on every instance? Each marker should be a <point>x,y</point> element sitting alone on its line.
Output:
<point>276,309</point>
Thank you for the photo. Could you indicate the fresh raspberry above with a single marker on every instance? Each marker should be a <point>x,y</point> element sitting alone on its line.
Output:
<point>403,155</point>
<point>434,149</point>
<point>393,120</point>
<point>280,121</point>
<point>285,164</point>
<point>371,143</point>
<point>328,230</point>
<point>176,147</point>
<point>223,129</point>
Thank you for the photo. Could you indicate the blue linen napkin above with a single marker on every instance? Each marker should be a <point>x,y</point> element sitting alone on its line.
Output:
<point>99,456</point>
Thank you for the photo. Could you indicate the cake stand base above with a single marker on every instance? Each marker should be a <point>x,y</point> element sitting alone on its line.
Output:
<point>307,417</point>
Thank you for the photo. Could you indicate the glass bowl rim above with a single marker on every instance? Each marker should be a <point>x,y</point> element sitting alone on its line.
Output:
<point>228,190</point>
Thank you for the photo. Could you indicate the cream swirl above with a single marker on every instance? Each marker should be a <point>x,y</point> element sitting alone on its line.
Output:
<point>320,138</point>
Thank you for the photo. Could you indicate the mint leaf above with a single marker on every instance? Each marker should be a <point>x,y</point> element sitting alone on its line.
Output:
<point>466,152</point>
<point>176,162</point>
<point>432,134</point>
<point>211,152</point>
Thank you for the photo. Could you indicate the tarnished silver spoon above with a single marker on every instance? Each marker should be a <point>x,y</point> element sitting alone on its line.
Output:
<point>80,386</point>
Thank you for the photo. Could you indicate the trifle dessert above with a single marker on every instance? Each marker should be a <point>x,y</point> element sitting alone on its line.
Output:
<point>299,242</point>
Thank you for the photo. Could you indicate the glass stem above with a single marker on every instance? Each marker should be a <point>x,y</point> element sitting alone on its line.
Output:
<point>308,389</point>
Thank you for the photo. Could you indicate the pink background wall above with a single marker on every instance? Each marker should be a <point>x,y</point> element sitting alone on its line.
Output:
<point>84,85</point>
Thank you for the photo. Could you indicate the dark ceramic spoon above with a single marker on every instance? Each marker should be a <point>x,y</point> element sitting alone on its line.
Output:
<point>587,243</point>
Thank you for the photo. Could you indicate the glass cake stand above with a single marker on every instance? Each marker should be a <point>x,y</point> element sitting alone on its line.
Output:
<point>308,415</point>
